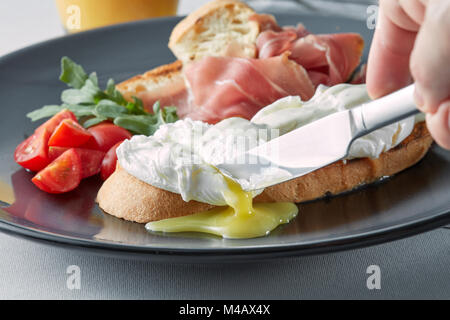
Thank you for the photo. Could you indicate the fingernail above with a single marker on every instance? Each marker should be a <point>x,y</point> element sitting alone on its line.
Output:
<point>418,98</point>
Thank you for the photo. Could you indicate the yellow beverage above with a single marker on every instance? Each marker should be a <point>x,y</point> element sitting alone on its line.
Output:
<point>80,15</point>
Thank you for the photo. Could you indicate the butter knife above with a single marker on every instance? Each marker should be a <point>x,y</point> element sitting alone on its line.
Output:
<point>317,144</point>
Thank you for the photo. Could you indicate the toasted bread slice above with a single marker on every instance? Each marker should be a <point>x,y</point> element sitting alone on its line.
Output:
<point>125,196</point>
<point>212,29</point>
<point>149,83</point>
<point>219,28</point>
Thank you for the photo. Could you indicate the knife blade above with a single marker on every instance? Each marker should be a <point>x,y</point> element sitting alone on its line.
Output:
<point>317,144</point>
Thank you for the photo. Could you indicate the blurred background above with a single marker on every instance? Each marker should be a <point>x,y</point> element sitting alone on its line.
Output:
<point>24,22</point>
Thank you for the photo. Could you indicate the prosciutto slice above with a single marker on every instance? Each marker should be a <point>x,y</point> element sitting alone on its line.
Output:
<point>172,94</point>
<point>224,87</point>
<point>329,58</point>
<point>290,61</point>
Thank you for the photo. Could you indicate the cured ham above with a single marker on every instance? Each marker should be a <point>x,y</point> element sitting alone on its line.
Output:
<point>223,87</point>
<point>290,61</point>
<point>174,94</point>
<point>329,58</point>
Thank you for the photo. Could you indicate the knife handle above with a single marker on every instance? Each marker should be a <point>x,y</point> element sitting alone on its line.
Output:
<point>388,109</point>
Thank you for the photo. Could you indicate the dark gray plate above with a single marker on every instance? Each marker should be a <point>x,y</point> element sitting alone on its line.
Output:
<point>415,200</point>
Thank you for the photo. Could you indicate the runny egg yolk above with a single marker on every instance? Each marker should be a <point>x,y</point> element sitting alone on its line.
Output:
<point>240,219</point>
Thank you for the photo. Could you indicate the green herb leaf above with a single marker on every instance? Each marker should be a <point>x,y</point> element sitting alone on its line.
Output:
<point>136,107</point>
<point>76,96</point>
<point>94,79</point>
<point>136,124</point>
<point>88,102</point>
<point>170,114</point>
<point>110,87</point>
<point>113,94</point>
<point>81,110</point>
<point>109,109</point>
<point>71,73</point>
<point>44,112</point>
<point>93,121</point>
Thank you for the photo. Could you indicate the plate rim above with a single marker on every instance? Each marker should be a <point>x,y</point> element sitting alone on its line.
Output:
<point>439,218</point>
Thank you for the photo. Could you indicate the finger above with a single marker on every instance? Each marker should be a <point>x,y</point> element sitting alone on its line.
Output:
<point>388,63</point>
<point>430,58</point>
<point>438,124</point>
<point>414,9</point>
<point>395,11</point>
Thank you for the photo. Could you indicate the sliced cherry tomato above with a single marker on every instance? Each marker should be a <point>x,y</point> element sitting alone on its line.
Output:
<point>62,175</point>
<point>91,144</point>
<point>55,152</point>
<point>108,134</point>
<point>32,154</point>
<point>91,161</point>
<point>51,124</point>
<point>69,134</point>
<point>109,162</point>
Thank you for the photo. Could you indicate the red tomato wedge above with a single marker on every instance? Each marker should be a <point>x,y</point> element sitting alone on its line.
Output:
<point>91,144</point>
<point>32,154</point>
<point>62,175</point>
<point>108,134</point>
<point>69,134</point>
<point>55,152</point>
<point>51,124</point>
<point>109,162</point>
<point>91,161</point>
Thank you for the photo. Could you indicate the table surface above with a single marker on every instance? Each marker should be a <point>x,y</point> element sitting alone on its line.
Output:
<point>416,267</point>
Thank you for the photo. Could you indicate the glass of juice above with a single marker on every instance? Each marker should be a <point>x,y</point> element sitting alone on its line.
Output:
<point>80,15</point>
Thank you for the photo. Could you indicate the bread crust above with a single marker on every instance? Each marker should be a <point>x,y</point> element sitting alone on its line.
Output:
<point>152,80</point>
<point>124,196</point>
<point>197,26</point>
<point>196,18</point>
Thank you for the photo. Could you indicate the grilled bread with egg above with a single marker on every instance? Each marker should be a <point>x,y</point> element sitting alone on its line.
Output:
<point>209,31</point>
<point>127,197</point>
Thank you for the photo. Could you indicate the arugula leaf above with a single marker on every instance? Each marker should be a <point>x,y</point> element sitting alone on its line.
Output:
<point>170,114</point>
<point>71,73</point>
<point>93,105</point>
<point>109,109</point>
<point>136,107</point>
<point>93,121</point>
<point>114,94</point>
<point>76,96</point>
<point>51,110</point>
<point>80,110</point>
<point>44,112</point>
<point>137,124</point>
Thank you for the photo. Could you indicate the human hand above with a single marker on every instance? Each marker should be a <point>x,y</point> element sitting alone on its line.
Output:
<point>412,41</point>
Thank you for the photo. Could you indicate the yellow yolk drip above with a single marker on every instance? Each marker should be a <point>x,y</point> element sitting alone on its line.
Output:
<point>240,219</point>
